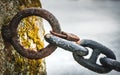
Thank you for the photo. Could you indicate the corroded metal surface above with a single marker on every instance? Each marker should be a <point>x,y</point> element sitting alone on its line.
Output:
<point>67,36</point>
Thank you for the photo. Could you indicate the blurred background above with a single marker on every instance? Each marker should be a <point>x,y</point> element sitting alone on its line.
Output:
<point>98,20</point>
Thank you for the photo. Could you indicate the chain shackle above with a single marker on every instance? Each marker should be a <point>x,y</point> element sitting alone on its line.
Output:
<point>67,36</point>
<point>91,62</point>
<point>9,33</point>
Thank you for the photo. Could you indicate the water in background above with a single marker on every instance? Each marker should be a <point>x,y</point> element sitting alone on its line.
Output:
<point>98,20</point>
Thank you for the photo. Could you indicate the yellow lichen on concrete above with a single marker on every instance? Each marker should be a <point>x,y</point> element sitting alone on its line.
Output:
<point>31,34</point>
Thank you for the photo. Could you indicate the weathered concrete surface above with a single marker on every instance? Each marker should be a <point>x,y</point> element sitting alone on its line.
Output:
<point>11,63</point>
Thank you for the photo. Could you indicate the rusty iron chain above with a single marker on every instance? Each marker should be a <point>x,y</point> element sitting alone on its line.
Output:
<point>58,38</point>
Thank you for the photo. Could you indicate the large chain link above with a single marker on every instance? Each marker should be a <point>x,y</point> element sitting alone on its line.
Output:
<point>80,49</point>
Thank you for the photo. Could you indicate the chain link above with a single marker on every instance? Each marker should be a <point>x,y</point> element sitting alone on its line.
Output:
<point>97,50</point>
<point>67,45</point>
<point>111,63</point>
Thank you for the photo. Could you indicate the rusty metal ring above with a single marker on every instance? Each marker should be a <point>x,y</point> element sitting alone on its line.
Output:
<point>14,38</point>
